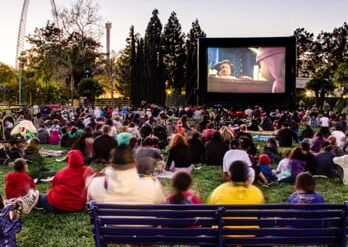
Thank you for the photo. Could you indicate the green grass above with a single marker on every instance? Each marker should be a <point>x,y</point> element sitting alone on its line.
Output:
<point>48,229</point>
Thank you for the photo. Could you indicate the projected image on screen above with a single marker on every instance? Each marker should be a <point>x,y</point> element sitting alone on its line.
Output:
<point>246,70</point>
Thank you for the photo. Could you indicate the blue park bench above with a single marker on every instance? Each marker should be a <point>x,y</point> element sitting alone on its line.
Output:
<point>220,225</point>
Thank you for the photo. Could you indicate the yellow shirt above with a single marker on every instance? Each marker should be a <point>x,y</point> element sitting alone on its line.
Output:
<point>228,193</point>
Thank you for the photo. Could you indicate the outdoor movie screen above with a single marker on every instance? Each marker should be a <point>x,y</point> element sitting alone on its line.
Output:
<point>259,69</point>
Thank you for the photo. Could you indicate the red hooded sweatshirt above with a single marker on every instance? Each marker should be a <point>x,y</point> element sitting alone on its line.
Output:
<point>68,192</point>
<point>18,184</point>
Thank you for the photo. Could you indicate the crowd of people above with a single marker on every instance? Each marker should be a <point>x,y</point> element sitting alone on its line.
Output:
<point>134,146</point>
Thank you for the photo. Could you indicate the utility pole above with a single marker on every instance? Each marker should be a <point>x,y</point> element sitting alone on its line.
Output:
<point>109,64</point>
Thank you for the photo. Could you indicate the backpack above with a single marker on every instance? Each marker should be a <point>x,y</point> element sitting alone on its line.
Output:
<point>8,227</point>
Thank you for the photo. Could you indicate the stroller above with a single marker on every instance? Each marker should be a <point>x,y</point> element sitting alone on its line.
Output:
<point>8,227</point>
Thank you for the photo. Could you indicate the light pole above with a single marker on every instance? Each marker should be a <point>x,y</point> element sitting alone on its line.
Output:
<point>109,65</point>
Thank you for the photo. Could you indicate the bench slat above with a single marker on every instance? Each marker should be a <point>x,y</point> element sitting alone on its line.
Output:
<point>156,221</point>
<point>158,213</point>
<point>160,240</point>
<point>226,206</point>
<point>255,241</point>
<point>298,222</point>
<point>331,231</point>
<point>153,231</point>
<point>283,213</point>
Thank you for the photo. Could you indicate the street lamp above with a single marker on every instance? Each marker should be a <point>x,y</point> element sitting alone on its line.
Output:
<point>109,65</point>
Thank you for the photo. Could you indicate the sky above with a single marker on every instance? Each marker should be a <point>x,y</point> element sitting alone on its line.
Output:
<point>218,18</point>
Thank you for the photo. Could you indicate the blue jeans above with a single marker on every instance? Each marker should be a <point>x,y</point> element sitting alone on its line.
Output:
<point>43,203</point>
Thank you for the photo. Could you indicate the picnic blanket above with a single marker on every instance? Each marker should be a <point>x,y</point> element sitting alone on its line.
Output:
<point>51,153</point>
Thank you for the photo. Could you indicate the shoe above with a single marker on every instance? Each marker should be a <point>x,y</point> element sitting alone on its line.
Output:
<point>48,179</point>
<point>28,202</point>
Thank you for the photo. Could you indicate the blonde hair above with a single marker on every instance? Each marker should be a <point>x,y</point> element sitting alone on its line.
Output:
<point>226,134</point>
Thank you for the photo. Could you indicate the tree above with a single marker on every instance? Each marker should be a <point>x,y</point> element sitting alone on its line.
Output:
<point>341,77</point>
<point>191,59</point>
<point>174,53</point>
<point>8,83</point>
<point>90,88</point>
<point>321,86</point>
<point>153,64</point>
<point>304,42</point>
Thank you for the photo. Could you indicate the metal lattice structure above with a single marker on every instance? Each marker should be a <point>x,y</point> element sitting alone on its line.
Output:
<point>22,24</point>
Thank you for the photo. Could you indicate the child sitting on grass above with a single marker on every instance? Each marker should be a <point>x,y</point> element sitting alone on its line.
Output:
<point>265,172</point>
<point>18,182</point>
<point>305,190</point>
<point>181,183</point>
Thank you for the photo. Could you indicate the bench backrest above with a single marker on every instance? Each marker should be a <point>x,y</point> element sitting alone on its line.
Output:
<point>219,225</point>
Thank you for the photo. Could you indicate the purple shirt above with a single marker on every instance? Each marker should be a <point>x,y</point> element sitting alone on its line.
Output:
<point>305,198</point>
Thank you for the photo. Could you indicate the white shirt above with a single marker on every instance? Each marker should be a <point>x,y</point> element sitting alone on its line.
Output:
<point>340,137</point>
<point>125,187</point>
<point>234,155</point>
<point>324,121</point>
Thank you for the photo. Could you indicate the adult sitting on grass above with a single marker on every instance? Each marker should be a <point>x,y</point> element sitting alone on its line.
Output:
<point>179,157</point>
<point>67,192</point>
<point>121,183</point>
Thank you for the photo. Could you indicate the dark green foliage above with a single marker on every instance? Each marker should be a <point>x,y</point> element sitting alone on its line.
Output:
<point>90,88</point>
<point>174,53</point>
<point>191,60</point>
<point>153,61</point>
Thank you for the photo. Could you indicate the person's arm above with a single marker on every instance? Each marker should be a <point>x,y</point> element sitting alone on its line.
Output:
<point>169,160</point>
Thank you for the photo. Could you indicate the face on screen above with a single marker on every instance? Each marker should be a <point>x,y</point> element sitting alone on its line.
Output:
<point>246,70</point>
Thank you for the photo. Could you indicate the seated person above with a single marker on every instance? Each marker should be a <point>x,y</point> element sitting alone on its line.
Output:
<point>215,150</point>
<point>181,184</point>
<point>265,172</point>
<point>179,157</point>
<point>37,168</point>
<point>121,182</point>
<point>18,182</point>
<point>305,190</point>
<point>238,190</point>
<point>67,192</point>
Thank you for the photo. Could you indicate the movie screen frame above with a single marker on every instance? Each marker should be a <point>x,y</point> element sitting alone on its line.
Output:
<point>242,85</point>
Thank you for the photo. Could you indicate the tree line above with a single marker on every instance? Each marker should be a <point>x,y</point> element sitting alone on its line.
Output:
<point>324,59</point>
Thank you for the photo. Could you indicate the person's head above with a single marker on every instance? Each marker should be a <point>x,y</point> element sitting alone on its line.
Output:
<point>226,133</point>
<point>20,165</point>
<point>75,159</point>
<point>305,183</point>
<point>243,128</point>
<point>123,138</point>
<point>216,136</point>
<point>178,140</point>
<point>122,158</point>
<point>332,140</point>
<point>305,145</point>
<point>297,154</point>
<point>181,182</point>
<point>106,130</point>
<point>239,172</point>
<point>235,144</point>
<point>264,159</point>
<point>34,143</point>
<point>224,68</point>
<point>145,166</point>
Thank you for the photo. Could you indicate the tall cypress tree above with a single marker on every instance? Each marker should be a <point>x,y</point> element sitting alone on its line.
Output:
<point>173,47</point>
<point>191,60</point>
<point>140,74</point>
<point>123,67</point>
<point>155,90</point>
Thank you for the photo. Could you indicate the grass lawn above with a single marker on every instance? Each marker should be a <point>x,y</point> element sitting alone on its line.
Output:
<point>47,229</point>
